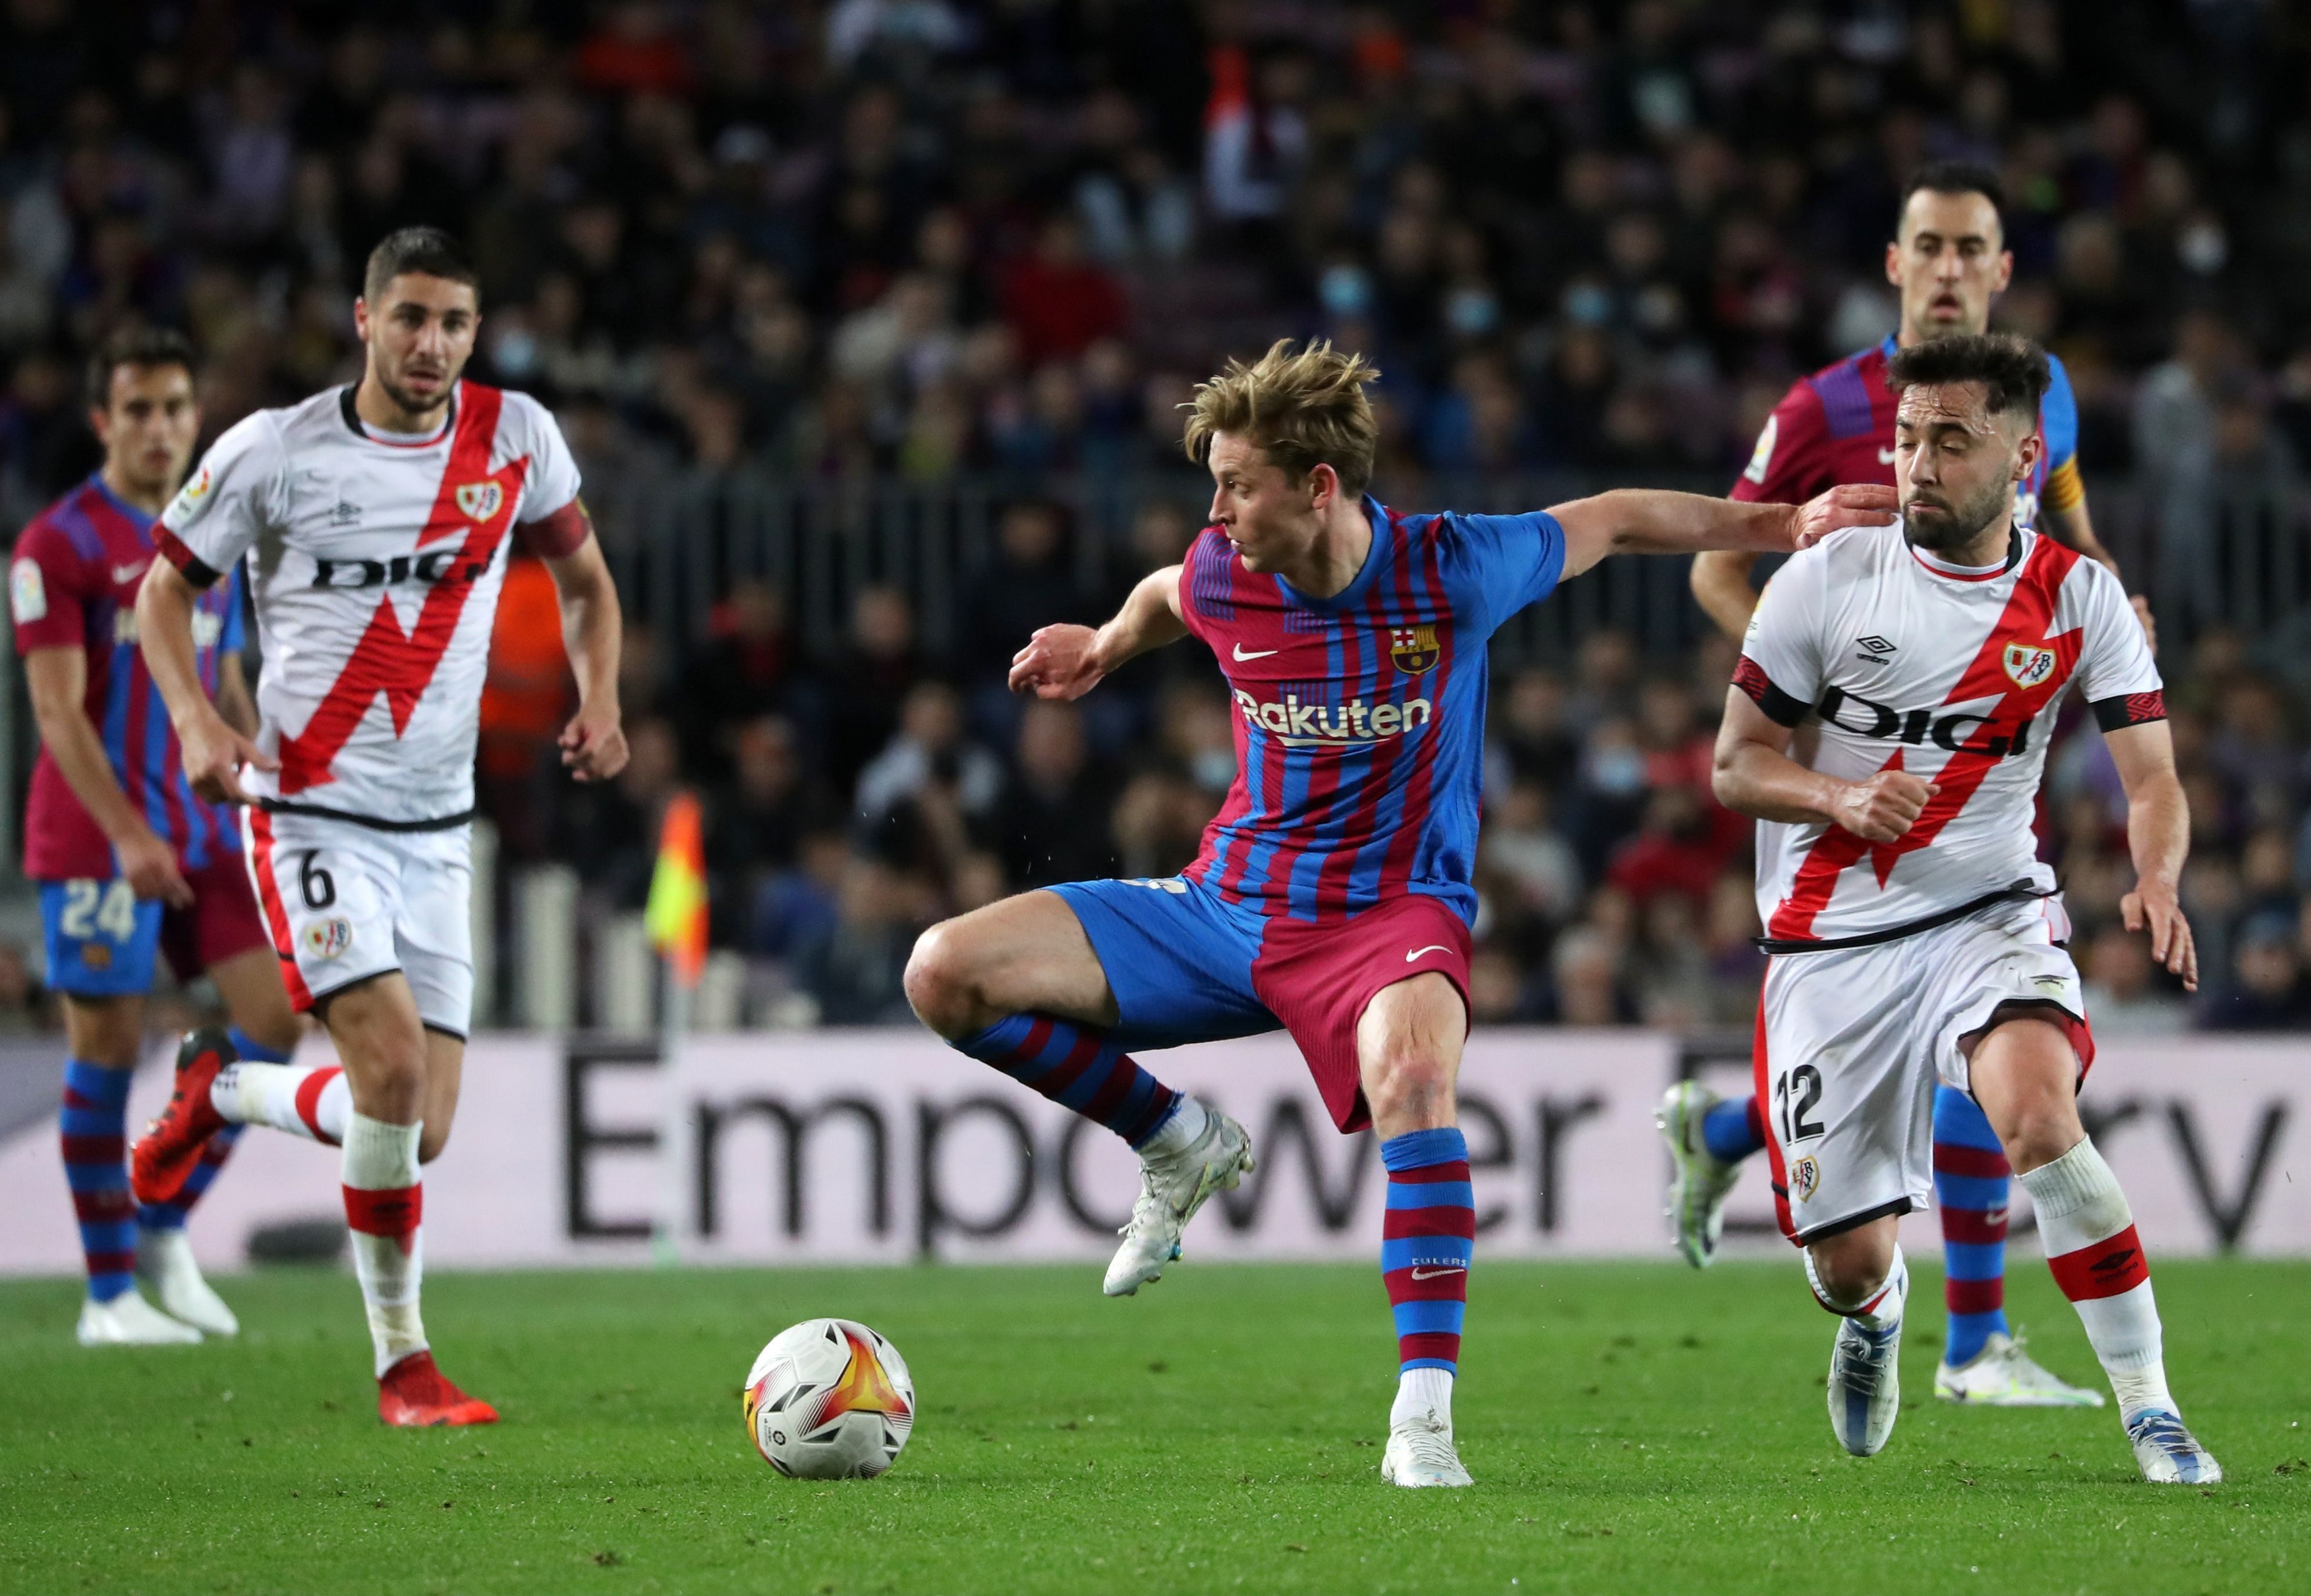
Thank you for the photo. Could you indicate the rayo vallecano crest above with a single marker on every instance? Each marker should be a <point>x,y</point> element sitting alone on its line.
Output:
<point>1414,649</point>
<point>2027,666</point>
<point>482,499</point>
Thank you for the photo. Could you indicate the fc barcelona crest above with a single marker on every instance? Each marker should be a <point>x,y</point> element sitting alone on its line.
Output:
<point>1414,649</point>
<point>480,500</point>
<point>2027,667</point>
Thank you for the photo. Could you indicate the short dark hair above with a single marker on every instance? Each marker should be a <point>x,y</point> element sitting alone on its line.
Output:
<point>2012,370</point>
<point>1955,177</point>
<point>136,346</point>
<point>426,249</point>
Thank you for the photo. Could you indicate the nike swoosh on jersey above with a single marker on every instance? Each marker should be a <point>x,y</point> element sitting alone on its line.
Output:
<point>1256,654</point>
<point>1885,456</point>
<point>130,573</point>
<point>1428,1274</point>
<point>1432,948</point>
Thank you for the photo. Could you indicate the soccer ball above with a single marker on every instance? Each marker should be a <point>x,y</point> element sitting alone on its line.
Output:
<point>829,1398</point>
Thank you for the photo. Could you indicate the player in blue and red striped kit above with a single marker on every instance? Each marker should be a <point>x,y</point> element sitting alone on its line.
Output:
<point>1332,896</point>
<point>130,863</point>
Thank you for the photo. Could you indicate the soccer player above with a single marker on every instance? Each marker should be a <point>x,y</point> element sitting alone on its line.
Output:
<point>1332,896</point>
<point>130,863</point>
<point>376,520</point>
<point>1948,260</point>
<point>1888,726</point>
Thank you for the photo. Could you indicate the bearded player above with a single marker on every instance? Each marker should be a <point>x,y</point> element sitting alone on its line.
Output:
<point>131,864</point>
<point>1948,260</point>
<point>1888,726</point>
<point>376,521</point>
<point>1332,896</point>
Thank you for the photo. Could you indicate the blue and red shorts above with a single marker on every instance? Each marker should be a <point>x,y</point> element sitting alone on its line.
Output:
<point>103,941</point>
<point>1187,966</point>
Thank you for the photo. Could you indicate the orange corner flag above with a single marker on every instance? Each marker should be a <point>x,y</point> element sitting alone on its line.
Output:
<point>676,912</point>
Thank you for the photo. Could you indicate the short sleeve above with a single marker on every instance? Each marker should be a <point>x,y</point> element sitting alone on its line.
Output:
<point>1497,564</point>
<point>1780,667</point>
<point>1782,468</point>
<point>2116,675</point>
<point>2058,424</point>
<point>234,494</point>
<point>551,484</point>
<point>45,591</point>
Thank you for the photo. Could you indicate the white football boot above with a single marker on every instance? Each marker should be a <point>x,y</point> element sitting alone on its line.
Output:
<point>129,1321</point>
<point>1865,1379</point>
<point>2003,1375</point>
<point>1699,1183</point>
<point>1172,1187</point>
<point>165,1267</point>
<point>1420,1454</point>
<point>2167,1454</point>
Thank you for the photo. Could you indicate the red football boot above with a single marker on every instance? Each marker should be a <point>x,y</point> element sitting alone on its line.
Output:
<point>164,1155</point>
<point>413,1395</point>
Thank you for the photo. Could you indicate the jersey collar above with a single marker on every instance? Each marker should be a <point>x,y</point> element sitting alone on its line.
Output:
<point>362,431</point>
<point>1375,557</point>
<point>137,518</point>
<point>2015,550</point>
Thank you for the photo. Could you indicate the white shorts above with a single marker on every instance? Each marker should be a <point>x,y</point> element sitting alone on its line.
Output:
<point>346,902</point>
<point>1850,1042</point>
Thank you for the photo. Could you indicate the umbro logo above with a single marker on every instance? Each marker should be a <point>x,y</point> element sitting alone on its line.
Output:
<point>2112,1264</point>
<point>344,513</point>
<point>1875,649</point>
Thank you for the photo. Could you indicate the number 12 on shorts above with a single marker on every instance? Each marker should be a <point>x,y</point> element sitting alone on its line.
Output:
<point>1797,1093</point>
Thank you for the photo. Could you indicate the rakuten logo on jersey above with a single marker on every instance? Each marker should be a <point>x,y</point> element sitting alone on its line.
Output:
<point>1946,728</point>
<point>1316,725</point>
<point>442,565</point>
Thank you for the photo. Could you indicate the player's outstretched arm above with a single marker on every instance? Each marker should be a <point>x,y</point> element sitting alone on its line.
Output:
<point>1654,521</point>
<point>1068,661</point>
<point>1755,775</point>
<point>593,630</point>
<point>213,751</point>
<point>57,681</point>
<point>2158,836</point>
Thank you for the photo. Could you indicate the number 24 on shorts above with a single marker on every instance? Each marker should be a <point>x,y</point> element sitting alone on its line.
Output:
<point>93,908</point>
<point>1797,1093</point>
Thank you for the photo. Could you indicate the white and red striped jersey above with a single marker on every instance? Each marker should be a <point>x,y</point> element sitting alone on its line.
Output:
<point>1883,657</point>
<point>374,562</point>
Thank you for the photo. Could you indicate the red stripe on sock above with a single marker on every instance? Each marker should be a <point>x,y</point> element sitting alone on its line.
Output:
<point>1430,1174</point>
<point>309,1101</point>
<point>395,1211</point>
<point>1975,1297</point>
<point>1974,1226</point>
<point>2112,1265</point>
<point>1070,1068</point>
<point>95,1149</point>
<point>117,1204</point>
<point>1436,1344</point>
<point>1442,1284</point>
<point>1108,1100</point>
<point>110,1263</point>
<point>1396,1223</point>
<point>1951,1159</point>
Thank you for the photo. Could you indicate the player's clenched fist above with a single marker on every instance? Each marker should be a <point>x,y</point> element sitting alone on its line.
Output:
<point>1884,807</point>
<point>214,754</point>
<point>1850,504</point>
<point>1057,662</point>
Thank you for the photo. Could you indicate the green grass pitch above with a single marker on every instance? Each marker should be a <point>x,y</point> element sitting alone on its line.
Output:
<point>1631,1427</point>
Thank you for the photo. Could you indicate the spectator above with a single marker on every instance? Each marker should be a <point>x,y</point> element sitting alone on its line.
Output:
<point>859,690</point>
<point>2123,993</point>
<point>2265,992</point>
<point>1051,824</point>
<point>929,742</point>
<point>746,670</point>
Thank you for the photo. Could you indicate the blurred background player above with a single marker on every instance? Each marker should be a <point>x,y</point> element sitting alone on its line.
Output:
<point>1947,259</point>
<point>130,861</point>
<point>1914,937</point>
<point>374,596</point>
<point>1333,896</point>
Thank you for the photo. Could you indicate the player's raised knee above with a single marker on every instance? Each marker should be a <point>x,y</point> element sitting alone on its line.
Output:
<point>1410,1085</point>
<point>1849,1268</point>
<point>939,981</point>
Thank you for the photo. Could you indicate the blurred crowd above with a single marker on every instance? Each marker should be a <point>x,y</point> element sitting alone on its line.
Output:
<point>923,240</point>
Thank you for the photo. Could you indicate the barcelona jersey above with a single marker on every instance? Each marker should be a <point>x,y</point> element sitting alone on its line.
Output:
<point>1360,718</point>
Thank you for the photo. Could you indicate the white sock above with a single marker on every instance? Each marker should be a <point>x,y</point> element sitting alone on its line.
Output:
<point>384,1203</point>
<point>2087,1230</point>
<point>1886,1300</point>
<point>1179,1132</point>
<point>311,1101</point>
<point>1422,1391</point>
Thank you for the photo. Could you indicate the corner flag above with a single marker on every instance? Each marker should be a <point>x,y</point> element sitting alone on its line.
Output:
<point>676,911</point>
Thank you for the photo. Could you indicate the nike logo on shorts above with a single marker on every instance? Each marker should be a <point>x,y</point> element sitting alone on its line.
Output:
<point>1255,654</point>
<point>1432,948</point>
<point>1428,1274</point>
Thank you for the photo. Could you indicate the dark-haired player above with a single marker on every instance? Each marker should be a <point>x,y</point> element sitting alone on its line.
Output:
<point>1888,726</point>
<point>1948,259</point>
<point>376,521</point>
<point>1332,897</point>
<point>130,862</point>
